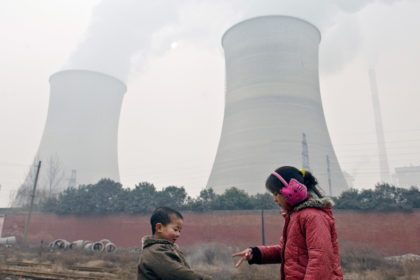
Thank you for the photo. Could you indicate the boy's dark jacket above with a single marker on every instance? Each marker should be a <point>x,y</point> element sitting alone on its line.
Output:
<point>162,259</point>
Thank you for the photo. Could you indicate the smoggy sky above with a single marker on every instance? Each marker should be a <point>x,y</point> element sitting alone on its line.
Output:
<point>169,55</point>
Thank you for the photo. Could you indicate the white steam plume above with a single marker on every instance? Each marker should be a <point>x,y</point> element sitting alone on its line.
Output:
<point>118,31</point>
<point>124,31</point>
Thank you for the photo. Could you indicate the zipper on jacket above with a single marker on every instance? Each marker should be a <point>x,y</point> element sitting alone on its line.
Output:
<point>283,251</point>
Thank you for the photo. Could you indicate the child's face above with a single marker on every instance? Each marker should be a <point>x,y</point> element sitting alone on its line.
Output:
<point>280,200</point>
<point>171,231</point>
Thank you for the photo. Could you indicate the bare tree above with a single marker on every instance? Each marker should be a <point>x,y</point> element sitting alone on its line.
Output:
<point>54,175</point>
<point>12,197</point>
<point>50,183</point>
<point>23,194</point>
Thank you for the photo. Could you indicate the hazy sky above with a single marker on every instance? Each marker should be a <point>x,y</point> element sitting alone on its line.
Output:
<point>169,54</point>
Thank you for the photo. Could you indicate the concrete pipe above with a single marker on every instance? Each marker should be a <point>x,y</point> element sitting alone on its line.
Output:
<point>8,241</point>
<point>88,246</point>
<point>110,247</point>
<point>105,241</point>
<point>60,244</point>
<point>98,246</point>
<point>78,244</point>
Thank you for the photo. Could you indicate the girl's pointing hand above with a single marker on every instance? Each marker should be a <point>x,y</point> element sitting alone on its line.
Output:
<point>245,255</point>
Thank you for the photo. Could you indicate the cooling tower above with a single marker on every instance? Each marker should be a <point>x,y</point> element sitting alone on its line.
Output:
<point>81,132</point>
<point>272,98</point>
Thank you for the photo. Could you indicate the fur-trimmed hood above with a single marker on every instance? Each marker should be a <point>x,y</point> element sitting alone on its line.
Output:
<point>315,202</point>
<point>150,240</point>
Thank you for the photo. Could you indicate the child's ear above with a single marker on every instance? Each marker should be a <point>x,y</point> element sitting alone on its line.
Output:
<point>158,227</point>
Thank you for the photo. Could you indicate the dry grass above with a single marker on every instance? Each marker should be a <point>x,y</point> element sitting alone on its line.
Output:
<point>364,263</point>
<point>361,263</point>
<point>216,260</point>
<point>358,263</point>
<point>122,263</point>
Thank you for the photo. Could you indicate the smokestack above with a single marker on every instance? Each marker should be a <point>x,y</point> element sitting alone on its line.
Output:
<point>380,137</point>
<point>272,99</point>
<point>81,131</point>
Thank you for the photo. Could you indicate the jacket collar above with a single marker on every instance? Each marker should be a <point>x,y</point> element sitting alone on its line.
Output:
<point>313,201</point>
<point>150,240</point>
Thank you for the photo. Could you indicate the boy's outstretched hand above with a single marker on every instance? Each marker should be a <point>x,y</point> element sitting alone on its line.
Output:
<point>245,255</point>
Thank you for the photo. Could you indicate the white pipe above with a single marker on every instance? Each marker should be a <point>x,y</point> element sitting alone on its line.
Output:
<point>110,247</point>
<point>60,244</point>
<point>10,240</point>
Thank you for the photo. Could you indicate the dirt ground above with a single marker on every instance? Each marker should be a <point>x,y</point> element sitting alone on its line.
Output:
<point>212,259</point>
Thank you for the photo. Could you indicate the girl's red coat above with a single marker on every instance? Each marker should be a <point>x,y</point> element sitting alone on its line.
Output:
<point>308,248</point>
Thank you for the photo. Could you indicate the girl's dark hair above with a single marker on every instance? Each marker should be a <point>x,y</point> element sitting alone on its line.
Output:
<point>274,185</point>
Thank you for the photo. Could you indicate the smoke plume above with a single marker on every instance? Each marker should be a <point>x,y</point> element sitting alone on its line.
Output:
<point>131,31</point>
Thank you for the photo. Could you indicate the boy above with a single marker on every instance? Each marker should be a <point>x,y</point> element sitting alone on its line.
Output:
<point>161,257</point>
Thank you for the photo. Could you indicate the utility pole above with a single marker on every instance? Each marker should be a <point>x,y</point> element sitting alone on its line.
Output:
<point>305,153</point>
<point>262,227</point>
<point>329,176</point>
<point>28,218</point>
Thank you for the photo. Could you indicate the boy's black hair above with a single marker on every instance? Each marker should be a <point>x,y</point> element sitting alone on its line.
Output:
<point>288,172</point>
<point>163,215</point>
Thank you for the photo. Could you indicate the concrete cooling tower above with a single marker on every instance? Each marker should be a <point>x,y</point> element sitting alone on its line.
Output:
<point>272,100</point>
<point>79,144</point>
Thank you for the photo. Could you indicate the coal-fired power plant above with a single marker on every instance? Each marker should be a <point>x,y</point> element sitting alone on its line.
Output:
<point>79,143</point>
<point>273,105</point>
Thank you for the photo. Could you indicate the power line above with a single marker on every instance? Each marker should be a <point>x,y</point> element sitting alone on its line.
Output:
<point>373,132</point>
<point>15,164</point>
<point>374,143</point>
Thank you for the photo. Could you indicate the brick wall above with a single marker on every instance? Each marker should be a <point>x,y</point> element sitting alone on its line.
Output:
<point>389,233</point>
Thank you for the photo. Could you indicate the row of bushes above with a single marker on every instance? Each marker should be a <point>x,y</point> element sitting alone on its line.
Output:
<point>384,197</point>
<point>109,197</point>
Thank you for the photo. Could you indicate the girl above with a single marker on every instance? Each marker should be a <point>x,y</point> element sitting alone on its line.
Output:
<point>308,247</point>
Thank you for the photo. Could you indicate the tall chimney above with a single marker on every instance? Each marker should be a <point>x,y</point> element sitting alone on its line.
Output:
<point>380,137</point>
<point>272,99</point>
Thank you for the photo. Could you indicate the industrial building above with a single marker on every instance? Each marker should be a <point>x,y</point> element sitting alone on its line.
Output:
<point>408,176</point>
